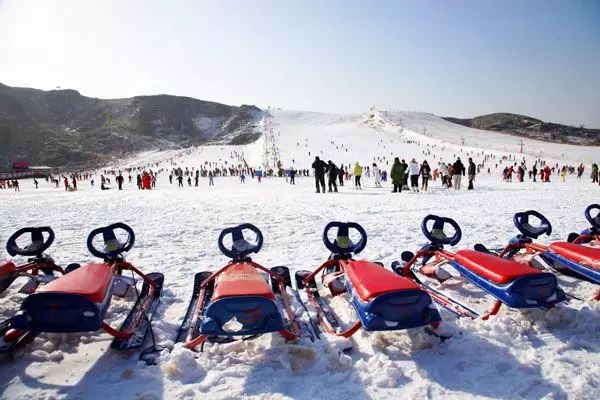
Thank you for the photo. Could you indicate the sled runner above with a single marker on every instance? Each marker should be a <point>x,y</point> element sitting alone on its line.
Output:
<point>509,282</point>
<point>578,257</point>
<point>79,300</point>
<point>237,300</point>
<point>39,268</point>
<point>382,300</point>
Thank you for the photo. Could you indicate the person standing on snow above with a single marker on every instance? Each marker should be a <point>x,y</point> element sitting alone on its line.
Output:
<point>413,171</point>
<point>472,172</point>
<point>397,174</point>
<point>120,181</point>
<point>444,174</point>
<point>211,181</point>
<point>180,180</point>
<point>458,171</point>
<point>332,177</point>
<point>358,170</point>
<point>425,175</point>
<point>594,175</point>
<point>292,176</point>
<point>341,174</point>
<point>376,175</point>
<point>320,168</point>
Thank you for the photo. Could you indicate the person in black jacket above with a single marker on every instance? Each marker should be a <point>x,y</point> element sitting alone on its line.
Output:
<point>458,171</point>
<point>120,181</point>
<point>472,171</point>
<point>320,168</point>
<point>333,174</point>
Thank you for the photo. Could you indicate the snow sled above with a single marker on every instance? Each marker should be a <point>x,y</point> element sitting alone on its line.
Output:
<point>382,300</point>
<point>578,257</point>
<point>237,300</point>
<point>39,268</point>
<point>509,282</point>
<point>79,300</point>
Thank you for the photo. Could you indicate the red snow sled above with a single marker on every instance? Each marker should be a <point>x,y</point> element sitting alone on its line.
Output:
<point>510,283</point>
<point>39,268</point>
<point>237,300</point>
<point>578,257</point>
<point>382,300</point>
<point>79,300</point>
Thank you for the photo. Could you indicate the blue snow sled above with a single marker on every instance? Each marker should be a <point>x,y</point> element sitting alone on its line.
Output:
<point>511,283</point>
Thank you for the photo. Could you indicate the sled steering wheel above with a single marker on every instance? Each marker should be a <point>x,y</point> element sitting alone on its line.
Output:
<point>342,243</point>
<point>113,247</point>
<point>594,221</point>
<point>38,244</point>
<point>436,234</point>
<point>521,221</point>
<point>240,247</point>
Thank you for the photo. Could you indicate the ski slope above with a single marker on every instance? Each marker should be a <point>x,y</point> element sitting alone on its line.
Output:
<point>516,355</point>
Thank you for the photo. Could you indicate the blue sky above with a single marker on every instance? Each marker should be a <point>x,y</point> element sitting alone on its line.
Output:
<point>452,58</point>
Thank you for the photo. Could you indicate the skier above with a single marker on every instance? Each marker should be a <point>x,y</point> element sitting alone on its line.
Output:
<point>35,182</point>
<point>320,168</point>
<point>341,174</point>
<point>120,181</point>
<point>472,171</point>
<point>358,170</point>
<point>376,175</point>
<point>332,177</point>
<point>66,182</point>
<point>180,180</point>
<point>397,174</point>
<point>425,175</point>
<point>413,172</point>
<point>594,173</point>
<point>458,170</point>
<point>171,178</point>
<point>404,180</point>
<point>211,181</point>
<point>444,174</point>
<point>74,180</point>
<point>292,176</point>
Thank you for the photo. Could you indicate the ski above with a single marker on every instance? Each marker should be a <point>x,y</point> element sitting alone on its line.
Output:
<point>137,339</point>
<point>187,320</point>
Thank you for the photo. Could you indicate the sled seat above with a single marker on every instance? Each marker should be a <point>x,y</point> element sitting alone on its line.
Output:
<point>241,279</point>
<point>6,267</point>
<point>493,268</point>
<point>370,280</point>
<point>589,256</point>
<point>90,281</point>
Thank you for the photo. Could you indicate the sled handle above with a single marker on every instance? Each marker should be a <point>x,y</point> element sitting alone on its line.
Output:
<point>38,244</point>
<point>594,221</point>
<point>521,220</point>
<point>240,247</point>
<point>342,243</point>
<point>112,246</point>
<point>436,235</point>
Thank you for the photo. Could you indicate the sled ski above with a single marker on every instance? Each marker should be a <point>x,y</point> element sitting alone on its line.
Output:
<point>137,313</point>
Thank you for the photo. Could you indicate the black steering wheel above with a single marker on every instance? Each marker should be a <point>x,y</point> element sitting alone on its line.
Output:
<point>522,223</point>
<point>240,247</point>
<point>342,243</point>
<point>436,234</point>
<point>594,221</point>
<point>38,244</point>
<point>113,247</point>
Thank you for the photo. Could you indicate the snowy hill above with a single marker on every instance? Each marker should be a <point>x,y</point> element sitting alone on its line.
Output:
<point>549,354</point>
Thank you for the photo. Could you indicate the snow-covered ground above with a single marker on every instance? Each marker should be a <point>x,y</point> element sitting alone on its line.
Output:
<point>529,355</point>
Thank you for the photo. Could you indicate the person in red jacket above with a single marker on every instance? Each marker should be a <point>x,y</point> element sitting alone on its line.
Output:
<point>146,181</point>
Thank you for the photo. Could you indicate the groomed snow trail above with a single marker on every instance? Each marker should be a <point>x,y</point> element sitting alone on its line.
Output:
<point>515,355</point>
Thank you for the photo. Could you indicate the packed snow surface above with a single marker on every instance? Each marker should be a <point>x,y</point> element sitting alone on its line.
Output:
<point>515,355</point>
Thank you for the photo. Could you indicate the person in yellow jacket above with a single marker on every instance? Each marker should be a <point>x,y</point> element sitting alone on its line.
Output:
<point>358,170</point>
